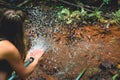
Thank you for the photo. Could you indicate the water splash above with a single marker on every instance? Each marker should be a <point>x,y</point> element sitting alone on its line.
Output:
<point>40,43</point>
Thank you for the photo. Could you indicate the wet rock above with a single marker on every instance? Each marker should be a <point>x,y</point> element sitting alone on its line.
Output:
<point>106,65</point>
<point>42,78</point>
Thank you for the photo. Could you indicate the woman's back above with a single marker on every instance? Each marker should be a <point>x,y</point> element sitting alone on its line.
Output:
<point>5,67</point>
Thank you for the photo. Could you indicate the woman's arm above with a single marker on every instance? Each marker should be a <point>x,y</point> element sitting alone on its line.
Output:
<point>14,58</point>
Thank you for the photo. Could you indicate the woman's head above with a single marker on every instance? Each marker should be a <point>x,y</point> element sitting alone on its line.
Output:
<point>11,24</point>
<point>11,28</point>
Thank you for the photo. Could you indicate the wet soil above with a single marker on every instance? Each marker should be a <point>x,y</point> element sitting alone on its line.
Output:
<point>74,47</point>
<point>91,47</point>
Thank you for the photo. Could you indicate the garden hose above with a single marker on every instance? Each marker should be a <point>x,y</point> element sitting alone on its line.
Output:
<point>14,75</point>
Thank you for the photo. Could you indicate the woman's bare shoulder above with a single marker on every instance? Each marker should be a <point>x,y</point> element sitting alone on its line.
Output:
<point>7,48</point>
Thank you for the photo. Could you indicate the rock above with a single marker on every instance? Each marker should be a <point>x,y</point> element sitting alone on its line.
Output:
<point>106,65</point>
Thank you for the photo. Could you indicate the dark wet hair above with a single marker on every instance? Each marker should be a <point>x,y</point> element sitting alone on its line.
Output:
<point>11,28</point>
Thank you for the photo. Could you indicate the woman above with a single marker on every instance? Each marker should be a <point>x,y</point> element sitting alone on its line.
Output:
<point>12,47</point>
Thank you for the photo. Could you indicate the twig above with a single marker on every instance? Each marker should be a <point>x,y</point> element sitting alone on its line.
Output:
<point>23,3</point>
<point>4,4</point>
<point>80,5</point>
<point>7,5</point>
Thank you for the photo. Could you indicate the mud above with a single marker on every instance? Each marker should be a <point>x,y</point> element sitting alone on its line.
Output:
<point>74,48</point>
<point>78,48</point>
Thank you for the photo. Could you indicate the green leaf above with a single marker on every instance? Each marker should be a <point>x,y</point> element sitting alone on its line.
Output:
<point>106,1</point>
<point>64,14</point>
<point>69,21</point>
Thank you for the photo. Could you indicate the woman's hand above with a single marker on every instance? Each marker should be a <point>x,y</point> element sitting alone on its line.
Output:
<point>36,54</point>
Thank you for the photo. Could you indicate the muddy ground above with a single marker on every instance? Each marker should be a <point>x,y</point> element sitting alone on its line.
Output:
<point>74,47</point>
<point>90,47</point>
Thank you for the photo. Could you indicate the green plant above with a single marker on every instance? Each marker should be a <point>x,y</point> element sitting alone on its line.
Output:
<point>69,17</point>
<point>60,7</point>
<point>82,15</point>
<point>116,17</point>
<point>81,74</point>
<point>64,14</point>
<point>104,3</point>
<point>96,15</point>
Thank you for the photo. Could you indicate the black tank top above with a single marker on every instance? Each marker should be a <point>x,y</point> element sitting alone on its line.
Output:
<point>4,65</point>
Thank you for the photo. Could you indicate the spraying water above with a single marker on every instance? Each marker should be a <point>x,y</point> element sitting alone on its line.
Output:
<point>57,62</point>
<point>40,43</point>
<point>39,22</point>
